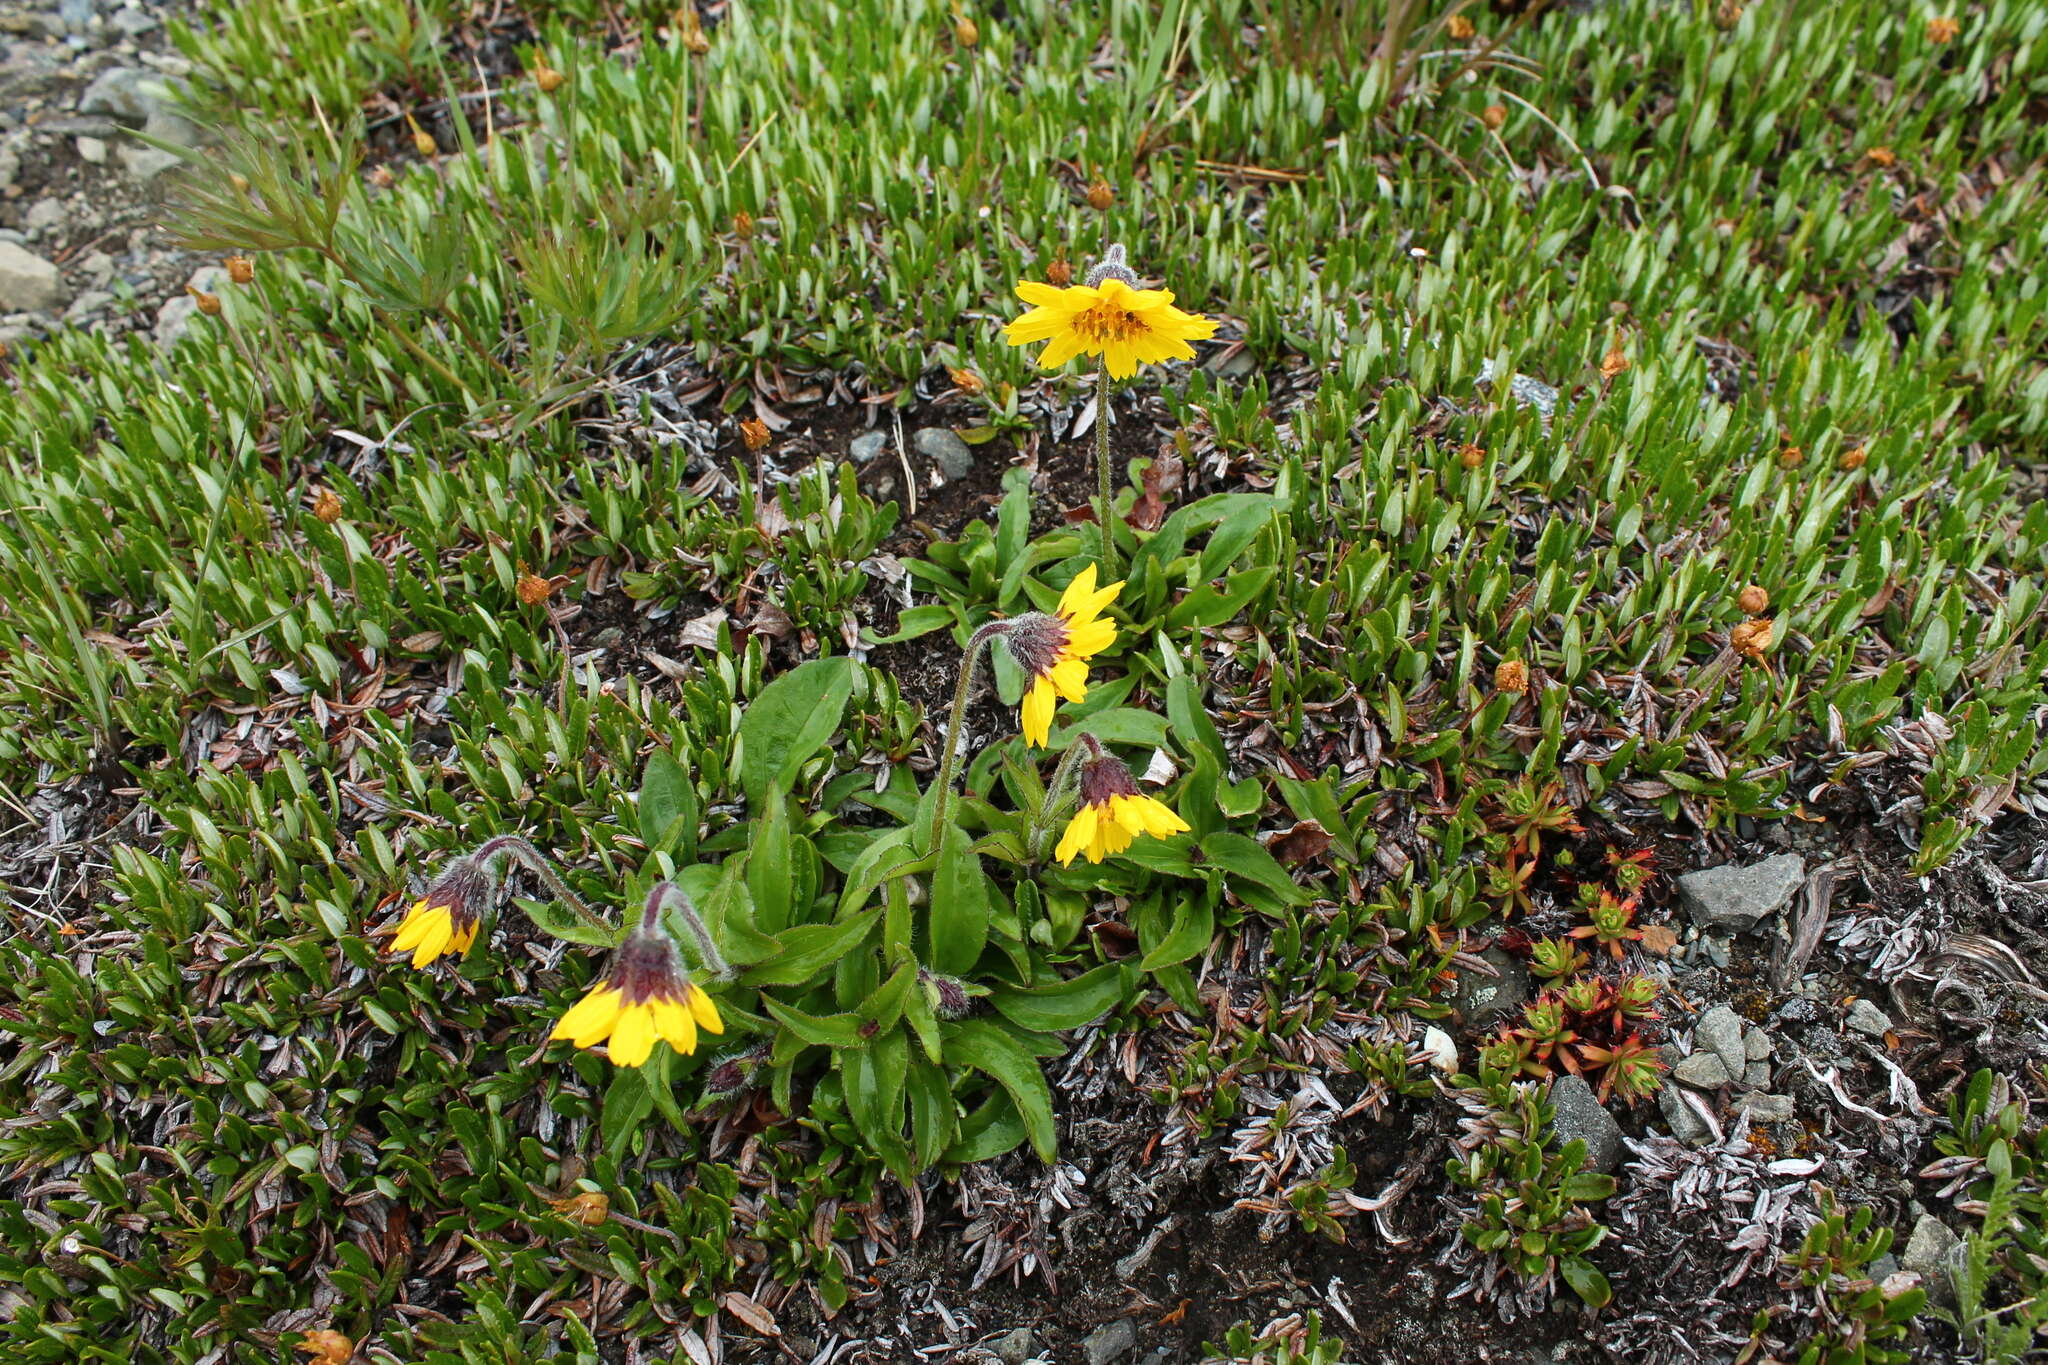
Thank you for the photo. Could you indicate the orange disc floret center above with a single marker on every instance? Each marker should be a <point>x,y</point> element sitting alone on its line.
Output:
<point>1106,322</point>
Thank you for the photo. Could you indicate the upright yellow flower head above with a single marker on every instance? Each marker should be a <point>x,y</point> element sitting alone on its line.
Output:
<point>1054,650</point>
<point>1109,317</point>
<point>647,997</point>
<point>1113,813</point>
<point>446,918</point>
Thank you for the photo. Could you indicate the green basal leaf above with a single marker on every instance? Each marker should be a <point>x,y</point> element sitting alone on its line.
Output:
<point>958,921</point>
<point>989,1048</point>
<point>791,719</point>
<point>1057,1006</point>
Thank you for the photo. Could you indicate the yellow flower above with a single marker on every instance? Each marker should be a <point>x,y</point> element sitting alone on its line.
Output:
<point>648,997</point>
<point>1054,650</point>
<point>446,918</point>
<point>1113,813</point>
<point>1126,326</point>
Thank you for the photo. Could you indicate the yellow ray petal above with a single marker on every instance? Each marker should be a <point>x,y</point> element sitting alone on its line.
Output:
<point>434,942</point>
<point>633,1036</point>
<point>1070,679</point>
<point>672,1020</point>
<point>1090,638</point>
<point>1062,348</point>
<point>1079,835</point>
<point>706,1011</point>
<point>1078,591</point>
<point>414,927</point>
<point>1035,715</point>
<point>1071,300</point>
<point>1160,819</point>
<point>591,1017</point>
<point>1120,358</point>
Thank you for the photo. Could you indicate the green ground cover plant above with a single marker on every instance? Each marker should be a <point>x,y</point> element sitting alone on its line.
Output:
<point>405,548</point>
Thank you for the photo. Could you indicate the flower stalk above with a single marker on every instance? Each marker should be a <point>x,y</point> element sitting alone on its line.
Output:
<point>949,754</point>
<point>1102,479</point>
<point>1060,789</point>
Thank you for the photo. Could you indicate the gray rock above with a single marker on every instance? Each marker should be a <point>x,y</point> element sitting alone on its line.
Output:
<point>1867,1018</point>
<point>1480,998</point>
<point>1580,1115</point>
<point>1930,1253</point>
<point>1756,1075</point>
<point>77,15</point>
<point>943,448</point>
<point>132,23</point>
<point>86,304</point>
<point>43,215</point>
<point>28,283</point>
<point>1768,1108</point>
<point>1686,1125</point>
<point>128,93</point>
<point>1110,1342</point>
<point>1016,1347</point>
<point>92,150</point>
<point>145,163</point>
<point>1701,1071</point>
<point>1735,898</point>
<point>866,446</point>
<point>1719,1031</point>
<point>1756,1045</point>
<point>10,166</point>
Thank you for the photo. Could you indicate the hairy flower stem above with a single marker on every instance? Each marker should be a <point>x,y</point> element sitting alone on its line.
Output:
<point>948,756</point>
<point>1057,792</point>
<point>491,851</point>
<point>1102,511</point>
<point>668,896</point>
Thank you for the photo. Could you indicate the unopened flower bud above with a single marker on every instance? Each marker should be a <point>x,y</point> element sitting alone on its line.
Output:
<point>587,1207</point>
<point>422,140</point>
<point>1881,156</point>
<point>1614,362</point>
<point>1059,274</point>
<point>743,225</point>
<point>754,432</point>
<point>1753,600</point>
<point>1100,195</point>
<point>325,1346</point>
<point>967,381</point>
<point>239,181</point>
<point>1459,27</point>
<point>1471,456</point>
<point>1494,115</point>
<point>327,506</point>
<point>208,304</point>
<point>531,589</point>
<point>691,31</point>
<point>547,78</point>
<point>1853,458</point>
<point>1511,675</point>
<point>240,269</point>
<point>1751,638</point>
<point>948,997</point>
<point>964,31</point>
<point>1942,29</point>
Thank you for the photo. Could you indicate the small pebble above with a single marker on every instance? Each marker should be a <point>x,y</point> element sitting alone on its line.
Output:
<point>1867,1018</point>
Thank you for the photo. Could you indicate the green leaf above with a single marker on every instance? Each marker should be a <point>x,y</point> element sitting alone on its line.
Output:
<point>1066,1004</point>
<point>934,1119</point>
<point>1209,605</point>
<point>991,1130</point>
<point>1190,718</point>
<point>810,948</point>
<point>988,1047</point>
<point>627,1104</point>
<point>959,909</point>
<point>559,921</point>
<point>913,622</point>
<point>768,864</point>
<point>819,1030</point>
<point>792,718</point>
<point>667,796</point>
<point>1247,858</point>
<point>1194,924</point>
<point>1586,1281</point>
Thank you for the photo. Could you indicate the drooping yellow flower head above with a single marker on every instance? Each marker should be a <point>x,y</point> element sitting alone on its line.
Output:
<point>1054,650</point>
<point>446,918</point>
<point>1113,813</point>
<point>1107,316</point>
<point>647,998</point>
